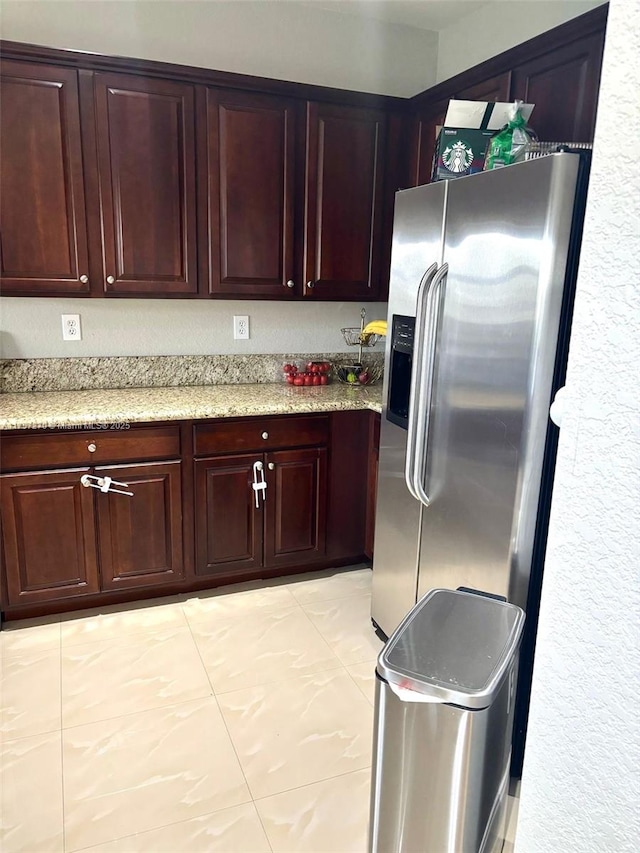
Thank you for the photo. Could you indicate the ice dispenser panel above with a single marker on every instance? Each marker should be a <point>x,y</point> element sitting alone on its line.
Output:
<point>402,331</point>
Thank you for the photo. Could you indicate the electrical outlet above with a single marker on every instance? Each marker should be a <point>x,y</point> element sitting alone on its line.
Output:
<point>241,327</point>
<point>71,329</point>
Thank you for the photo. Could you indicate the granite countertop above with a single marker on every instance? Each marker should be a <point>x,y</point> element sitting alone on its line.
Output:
<point>54,409</point>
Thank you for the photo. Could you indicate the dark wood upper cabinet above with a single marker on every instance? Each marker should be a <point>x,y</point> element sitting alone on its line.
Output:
<point>229,527</point>
<point>492,89</point>
<point>563,84</point>
<point>250,184</point>
<point>43,227</point>
<point>140,537</point>
<point>424,135</point>
<point>558,71</point>
<point>48,523</point>
<point>430,118</point>
<point>344,201</point>
<point>134,178</point>
<point>145,134</point>
<point>295,506</point>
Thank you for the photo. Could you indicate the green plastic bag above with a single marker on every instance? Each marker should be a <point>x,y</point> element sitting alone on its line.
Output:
<point>511,143</point>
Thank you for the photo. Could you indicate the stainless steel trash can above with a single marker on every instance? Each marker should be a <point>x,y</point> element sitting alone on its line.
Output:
<point>445,686</point>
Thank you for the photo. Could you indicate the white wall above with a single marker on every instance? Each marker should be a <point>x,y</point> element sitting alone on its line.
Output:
<point>285,40</point>
<point>581,782</point>
<point>31,328</point>
<point>498,26</point>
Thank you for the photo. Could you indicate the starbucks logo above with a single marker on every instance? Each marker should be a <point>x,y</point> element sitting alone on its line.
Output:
<point>457,157</point>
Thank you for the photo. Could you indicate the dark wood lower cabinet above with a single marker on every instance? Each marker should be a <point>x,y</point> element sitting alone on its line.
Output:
<point>140,537</point>
<point>66,546</point>
<point>347,485</point>
<point>287,528</point>
<point>48,523</point>
<point>228,524</point>
<point>51,525</point>
<point>372,483</point>
<point>295,508</point>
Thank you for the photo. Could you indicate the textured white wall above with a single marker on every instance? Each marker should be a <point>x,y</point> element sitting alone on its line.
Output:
<point>581,782</point>
<point>500,25</point>
<point>271,38</point>
<point>31,328</point>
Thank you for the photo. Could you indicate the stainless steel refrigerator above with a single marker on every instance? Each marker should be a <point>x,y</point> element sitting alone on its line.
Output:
<point>482,278</point>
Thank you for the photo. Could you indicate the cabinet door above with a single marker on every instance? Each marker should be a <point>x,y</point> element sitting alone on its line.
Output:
<point>425,131</point>
<point>250,172</point>
<point>228,524</point>
<point>146,165</point>
<point>43,228</point>
<point>563,84</point>
<point>344,202</point>
<point>347,485</point>
<point>372,482</point>
<point>492,89</point>
<point>140,537</point>
<point>295,507</point>
<point>48,525</point>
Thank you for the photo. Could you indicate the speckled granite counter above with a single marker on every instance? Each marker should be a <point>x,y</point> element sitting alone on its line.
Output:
<point>57,409</point>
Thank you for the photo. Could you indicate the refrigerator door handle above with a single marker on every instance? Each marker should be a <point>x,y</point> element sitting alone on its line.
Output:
<point>427,357</point>
<point>416,376</point>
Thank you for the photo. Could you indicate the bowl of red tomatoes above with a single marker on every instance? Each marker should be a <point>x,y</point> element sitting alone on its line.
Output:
<point>309,375</point>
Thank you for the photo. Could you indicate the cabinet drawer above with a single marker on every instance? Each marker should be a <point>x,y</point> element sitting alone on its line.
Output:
<point>260,434</point>
<point>88,447</point>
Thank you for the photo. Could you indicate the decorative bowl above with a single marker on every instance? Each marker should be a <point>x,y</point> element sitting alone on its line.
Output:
<point>358,375</point>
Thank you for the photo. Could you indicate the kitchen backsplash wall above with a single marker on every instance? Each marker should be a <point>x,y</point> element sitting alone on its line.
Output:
<point>81,374</point>
<point>32,328</point>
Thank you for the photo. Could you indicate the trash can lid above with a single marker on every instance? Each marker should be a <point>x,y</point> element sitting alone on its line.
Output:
<point>453,647</point>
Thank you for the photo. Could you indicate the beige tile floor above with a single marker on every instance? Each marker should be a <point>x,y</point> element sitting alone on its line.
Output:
<point>236,721</point>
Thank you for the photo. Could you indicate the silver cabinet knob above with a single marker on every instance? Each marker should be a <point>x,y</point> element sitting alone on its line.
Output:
<point>265,435</point>
<point>84,279</point>
<point>271,466</point>
<point>92,448</point>
<point>291,283</point>
<point>310,284</point>
<point>110,279</point>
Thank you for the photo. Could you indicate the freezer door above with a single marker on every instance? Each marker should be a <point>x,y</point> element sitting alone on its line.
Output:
<point>506,243</point>
<point>417,245</point>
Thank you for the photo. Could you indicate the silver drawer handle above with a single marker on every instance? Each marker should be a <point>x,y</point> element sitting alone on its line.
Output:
<point>271,466</point>
<point>110,279</point>
<point>92,448</point>
<point>291,283</point>
<point>104,484</point>
<point>84,279</point>
<point>311,284</point>
<point>265,435</point>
